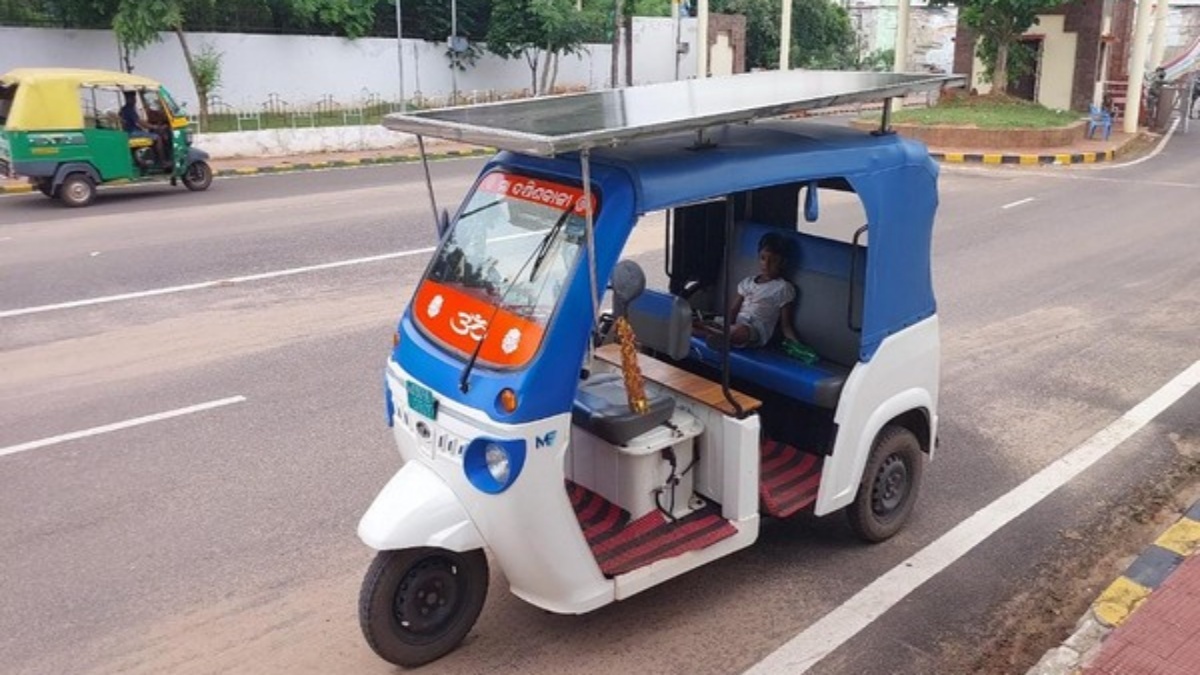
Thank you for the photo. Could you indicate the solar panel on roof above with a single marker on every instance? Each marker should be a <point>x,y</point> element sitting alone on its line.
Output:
<point>556,124</point>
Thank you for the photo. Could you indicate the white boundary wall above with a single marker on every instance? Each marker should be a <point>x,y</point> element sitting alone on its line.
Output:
<point>303,69</point>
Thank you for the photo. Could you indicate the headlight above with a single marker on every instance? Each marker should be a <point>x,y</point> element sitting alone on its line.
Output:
<point>497,462</point>
<point>493,465</point>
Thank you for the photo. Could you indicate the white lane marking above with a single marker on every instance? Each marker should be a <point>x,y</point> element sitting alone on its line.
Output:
<point>836,628</point>
<point>209,284</point>
<point>9,313</point>
<point>117,426</point>
<point>1157,149</point>
<point>1017,203</point>
<point>5,238</point>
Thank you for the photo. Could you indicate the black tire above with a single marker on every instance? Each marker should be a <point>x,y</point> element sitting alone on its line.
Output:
<point>890,484</point>
<point>417,604</point>
<point>198,176</point>
<point>77,190</point>
<point>45,186</point>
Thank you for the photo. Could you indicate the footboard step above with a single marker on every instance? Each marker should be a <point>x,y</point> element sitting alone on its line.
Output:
<point>621,546</point>
<point>788,479</point>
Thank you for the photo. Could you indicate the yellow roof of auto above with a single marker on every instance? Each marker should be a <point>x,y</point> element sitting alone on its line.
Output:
<point>47,98</point>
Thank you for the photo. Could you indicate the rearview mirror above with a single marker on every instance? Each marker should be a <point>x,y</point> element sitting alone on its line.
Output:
<point>443,224</point>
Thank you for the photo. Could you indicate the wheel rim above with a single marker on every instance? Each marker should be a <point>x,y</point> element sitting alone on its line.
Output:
<point>196,174</point>
<point>891,486</point>
<point>78,191</point>
<point>429,598</point>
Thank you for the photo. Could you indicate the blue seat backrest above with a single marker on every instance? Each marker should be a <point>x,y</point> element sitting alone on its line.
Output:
<point>820,269</point>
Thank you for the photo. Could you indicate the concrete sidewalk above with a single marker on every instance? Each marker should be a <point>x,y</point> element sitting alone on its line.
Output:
<point>1148,620</point>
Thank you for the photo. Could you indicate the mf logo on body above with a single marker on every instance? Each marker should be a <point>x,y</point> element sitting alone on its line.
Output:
<point>546,440</point>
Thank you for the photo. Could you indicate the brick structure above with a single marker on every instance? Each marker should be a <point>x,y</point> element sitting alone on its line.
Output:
<point>1084,18</point>
<point>735,26</point>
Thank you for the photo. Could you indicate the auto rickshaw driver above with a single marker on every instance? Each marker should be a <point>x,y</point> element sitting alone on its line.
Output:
<point>132,124</point>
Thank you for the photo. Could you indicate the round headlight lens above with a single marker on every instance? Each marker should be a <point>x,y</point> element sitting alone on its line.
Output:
<point>497,463</point>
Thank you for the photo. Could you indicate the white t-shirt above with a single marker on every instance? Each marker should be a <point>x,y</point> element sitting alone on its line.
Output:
<point>761,304</point>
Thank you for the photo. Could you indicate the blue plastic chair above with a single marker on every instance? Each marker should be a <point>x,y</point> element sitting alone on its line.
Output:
<point>1098,118</point>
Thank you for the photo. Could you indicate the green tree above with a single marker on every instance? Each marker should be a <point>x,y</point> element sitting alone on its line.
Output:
<point>999,24</point>
<point>822,36</point>
<point>539,31</point>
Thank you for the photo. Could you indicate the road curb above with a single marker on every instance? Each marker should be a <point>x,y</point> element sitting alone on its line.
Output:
<point>288,167</point>
<point>1124,595</point>
<point>1060,159</point>
<point>15,189</point>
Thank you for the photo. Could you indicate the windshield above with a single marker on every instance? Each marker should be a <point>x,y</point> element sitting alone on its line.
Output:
<point>505,264</point>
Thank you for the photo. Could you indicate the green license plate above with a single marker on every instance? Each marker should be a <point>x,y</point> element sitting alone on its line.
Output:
<point>421,400</point>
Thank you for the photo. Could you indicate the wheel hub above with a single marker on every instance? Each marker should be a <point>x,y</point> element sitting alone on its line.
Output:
<point>891,486</point>
<point>428,597</point>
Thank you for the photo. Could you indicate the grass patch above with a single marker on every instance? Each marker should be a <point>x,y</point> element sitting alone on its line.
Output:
<point>987,112</point>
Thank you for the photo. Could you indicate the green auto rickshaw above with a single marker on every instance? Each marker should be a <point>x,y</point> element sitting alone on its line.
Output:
<point>69,130</point>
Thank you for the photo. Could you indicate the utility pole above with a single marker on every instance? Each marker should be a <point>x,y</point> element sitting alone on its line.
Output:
<point>1137,67</point>
<point>400,56</point>
<point>901,62</point>
<point>676,17</point>
<point>615,78</point>
<point>702,38</point>
<point>454,52</point>
<point>785,36</point>
<point>1159,45</point>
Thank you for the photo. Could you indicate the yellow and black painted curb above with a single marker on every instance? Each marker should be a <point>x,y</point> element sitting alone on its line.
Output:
<point>1149,570</point>
<point>1061,159</point>
<point>19,188</point>
<point>286,167</point>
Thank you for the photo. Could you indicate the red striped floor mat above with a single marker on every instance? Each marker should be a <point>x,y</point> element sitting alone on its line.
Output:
<point>621,546</point>
<point>788,479</point>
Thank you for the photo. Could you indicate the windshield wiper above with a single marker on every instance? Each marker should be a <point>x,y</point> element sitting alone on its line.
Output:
<point>485,207</point>
<point>536,256</point>
<point>543,248</point>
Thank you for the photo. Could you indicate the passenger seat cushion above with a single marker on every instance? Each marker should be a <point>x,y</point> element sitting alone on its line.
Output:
<point>819,384</point>
<point>602,407</point>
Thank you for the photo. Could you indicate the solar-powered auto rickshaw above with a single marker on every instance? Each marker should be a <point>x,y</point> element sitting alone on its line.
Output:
<point>592,452</point>
<point>62,129</point>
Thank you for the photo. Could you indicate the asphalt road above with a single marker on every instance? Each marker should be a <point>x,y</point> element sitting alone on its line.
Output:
<point>224,541</point>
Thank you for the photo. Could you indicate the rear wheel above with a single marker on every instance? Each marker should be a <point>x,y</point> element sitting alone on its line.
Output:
<point>198,176</point>
<point>416,605</point>
<point>889,486</point>
<point>77,190</point>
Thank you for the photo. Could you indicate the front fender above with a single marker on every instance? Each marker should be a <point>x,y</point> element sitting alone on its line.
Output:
<point>195,155</point>
<point>417,508</point>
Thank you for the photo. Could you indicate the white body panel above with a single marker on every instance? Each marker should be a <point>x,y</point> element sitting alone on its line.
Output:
<point>902,376</point>
<point>531,529</point>
<point>416,509</point>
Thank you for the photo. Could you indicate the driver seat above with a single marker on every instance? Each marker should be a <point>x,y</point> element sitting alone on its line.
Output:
<point>601,404</point>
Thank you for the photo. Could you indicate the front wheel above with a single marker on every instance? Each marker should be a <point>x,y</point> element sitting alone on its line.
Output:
<point>889,486</point>
<point>198,176</point>
<point>418,604</point>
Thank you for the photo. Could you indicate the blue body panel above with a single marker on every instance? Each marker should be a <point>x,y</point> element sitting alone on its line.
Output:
<point>894,177</point>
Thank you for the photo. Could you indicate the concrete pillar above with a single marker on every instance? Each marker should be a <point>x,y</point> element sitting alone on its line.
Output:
<point>785,36</point>
<point>702,38</point>
<point>1159,46</point>
<point>1137,66</point>
<point>901,36</point>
